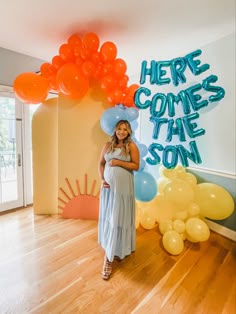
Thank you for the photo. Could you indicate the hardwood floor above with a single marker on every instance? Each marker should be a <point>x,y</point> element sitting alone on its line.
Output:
<point>53,265</point>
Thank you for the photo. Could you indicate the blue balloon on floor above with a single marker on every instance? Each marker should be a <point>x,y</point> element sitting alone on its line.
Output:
<point>145,186</point>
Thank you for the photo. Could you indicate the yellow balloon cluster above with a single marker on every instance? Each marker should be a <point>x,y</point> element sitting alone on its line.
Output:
<point>181,206</point>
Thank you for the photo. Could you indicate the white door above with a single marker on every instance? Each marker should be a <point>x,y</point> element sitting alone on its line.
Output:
<point>11,174</point>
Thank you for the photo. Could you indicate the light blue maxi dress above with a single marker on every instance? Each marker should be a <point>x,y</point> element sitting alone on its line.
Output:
<point>116,226</point>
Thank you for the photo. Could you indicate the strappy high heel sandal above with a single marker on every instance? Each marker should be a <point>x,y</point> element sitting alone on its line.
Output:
<point>118,259</point>
<point>107,269</point>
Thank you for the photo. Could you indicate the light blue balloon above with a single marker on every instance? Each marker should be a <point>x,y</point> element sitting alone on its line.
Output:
<point>141,165</point>
<point>143,150</point>
<point>134,139</point>
<point>132,114</point>
<point>145,186</point>
<point>110,117</point>
<point>134,125</point>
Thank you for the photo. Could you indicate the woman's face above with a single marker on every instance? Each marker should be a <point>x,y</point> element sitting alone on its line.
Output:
<point>122,132</point>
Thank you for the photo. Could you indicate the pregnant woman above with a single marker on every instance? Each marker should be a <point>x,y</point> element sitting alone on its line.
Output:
<point>116,226</point>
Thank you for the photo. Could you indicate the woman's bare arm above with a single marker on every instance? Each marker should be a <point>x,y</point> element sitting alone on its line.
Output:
<point>133,164</point>
<point>101,165</point>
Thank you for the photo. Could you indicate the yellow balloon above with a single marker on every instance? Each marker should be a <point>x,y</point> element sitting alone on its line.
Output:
<point>181,215</point>
<point>165,226</point>
<point>137,222</point>
<point>179,192</point>
<point>180,169</point>
<point>163,209</point>
<point>214,201</point>
<point>141,207</point>
<point>168,173</point>
<point>147,222</point>
<point>197,229</point>
<point>193,210</point>
<point>184,235</point>
<point>161,183</point>
<point>173,242</point>
<point>179,225</point>
<point>189,238</point>
<point>189,178</point>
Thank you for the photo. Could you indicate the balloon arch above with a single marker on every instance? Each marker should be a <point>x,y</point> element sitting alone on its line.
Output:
<point>181,205</point>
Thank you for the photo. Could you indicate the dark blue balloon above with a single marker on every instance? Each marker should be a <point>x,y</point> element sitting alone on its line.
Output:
<point>145,186</point>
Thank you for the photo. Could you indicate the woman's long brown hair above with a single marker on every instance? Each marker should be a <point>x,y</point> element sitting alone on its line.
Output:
<point>114,140</point>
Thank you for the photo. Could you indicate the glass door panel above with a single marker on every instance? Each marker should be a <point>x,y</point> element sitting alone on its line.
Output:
<point>11,180</point>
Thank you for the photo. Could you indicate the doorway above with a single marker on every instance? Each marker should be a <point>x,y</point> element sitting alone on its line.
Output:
<point>11,151</point>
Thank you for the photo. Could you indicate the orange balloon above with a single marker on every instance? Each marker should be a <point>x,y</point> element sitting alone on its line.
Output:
<point>85,53</point>
<point>74,40</point>
<point>98,72</point>
<point>107,68</point>
<point>71,82</point>
<point>107,82</point>
<point>108,51</point>
<point>31,88</point>
<point>132,89</point>
<point>66,52</point>
<point>57,62</point>
<point>88,68</point>
<point>91,42</point>
<point>47,69</point>
<point>53,82</point>
<point>122,82</point>
<point>119,68</point>
<point>77,50</point>
<point>115,96</point>
<point>96,57</point>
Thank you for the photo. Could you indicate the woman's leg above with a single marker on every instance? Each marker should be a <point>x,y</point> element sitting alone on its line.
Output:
<point>107,268</point>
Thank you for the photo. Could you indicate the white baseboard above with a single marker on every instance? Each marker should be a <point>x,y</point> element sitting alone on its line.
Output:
<point>228,233</point>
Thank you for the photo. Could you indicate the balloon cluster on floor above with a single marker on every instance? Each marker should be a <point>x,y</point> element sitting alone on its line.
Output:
<point>79,60</point>
<point>181,206</point>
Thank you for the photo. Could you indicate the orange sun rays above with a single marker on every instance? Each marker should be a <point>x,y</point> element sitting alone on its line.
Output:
<point>77,204</point>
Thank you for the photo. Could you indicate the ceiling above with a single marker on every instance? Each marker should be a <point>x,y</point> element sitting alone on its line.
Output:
<point>141,30</point>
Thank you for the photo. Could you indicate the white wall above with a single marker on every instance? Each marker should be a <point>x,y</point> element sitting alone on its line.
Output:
<point>12,64</point>
<point>217,147</point>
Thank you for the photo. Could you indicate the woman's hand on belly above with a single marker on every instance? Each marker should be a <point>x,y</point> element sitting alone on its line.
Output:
<point>113,162</point>
<point>105,184</point>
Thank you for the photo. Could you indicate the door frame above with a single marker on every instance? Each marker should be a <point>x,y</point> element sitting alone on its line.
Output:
<point>24,182</point>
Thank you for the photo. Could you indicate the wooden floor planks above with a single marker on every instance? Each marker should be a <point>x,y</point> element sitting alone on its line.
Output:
<point>53,265</point>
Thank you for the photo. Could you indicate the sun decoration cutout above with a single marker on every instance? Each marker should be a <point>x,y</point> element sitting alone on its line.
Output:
<point>81,206</point>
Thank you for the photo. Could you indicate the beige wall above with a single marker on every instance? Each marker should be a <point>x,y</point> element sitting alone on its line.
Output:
<point>67,140</point>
